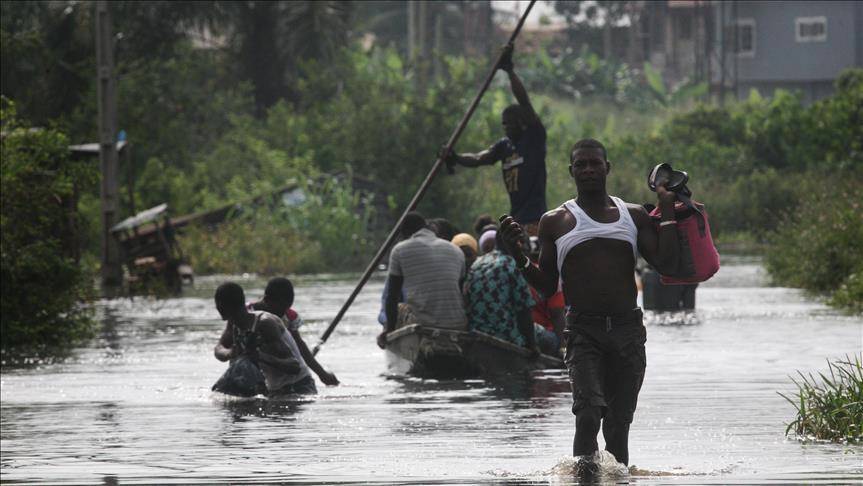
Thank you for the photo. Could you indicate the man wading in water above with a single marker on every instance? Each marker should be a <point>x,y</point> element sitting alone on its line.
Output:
<point>521,152</point>
<point>590,243</point>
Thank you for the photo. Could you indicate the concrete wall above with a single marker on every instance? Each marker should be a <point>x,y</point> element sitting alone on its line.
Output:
<point>779,57</point>
<point>810,90</point>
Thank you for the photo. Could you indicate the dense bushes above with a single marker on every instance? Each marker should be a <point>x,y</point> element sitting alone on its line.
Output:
<point>784,173</point>
<point>753,162</point>
<point>819,247</point>
<point>323,227</point>
<point>42,281</point>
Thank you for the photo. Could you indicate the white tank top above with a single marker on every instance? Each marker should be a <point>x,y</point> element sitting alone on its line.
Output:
<point>276,378</point>
<point>587,229</point>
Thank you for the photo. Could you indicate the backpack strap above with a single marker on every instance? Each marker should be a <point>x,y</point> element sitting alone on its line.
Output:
<point>699,216</point>
<point>255,323</point>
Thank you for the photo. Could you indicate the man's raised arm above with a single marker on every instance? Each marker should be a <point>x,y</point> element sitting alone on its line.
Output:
<point>516,85</point>
<point>662,249</point>
<point>545,277</point>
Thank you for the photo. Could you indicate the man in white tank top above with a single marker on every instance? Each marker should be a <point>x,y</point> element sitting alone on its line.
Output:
<point>590,244</point>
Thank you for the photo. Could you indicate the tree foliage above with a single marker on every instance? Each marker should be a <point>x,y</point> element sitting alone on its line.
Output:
<point>286,91</point>
<point>42,281</point>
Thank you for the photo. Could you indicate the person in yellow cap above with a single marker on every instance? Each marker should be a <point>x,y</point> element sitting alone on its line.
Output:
<point>468,246</point>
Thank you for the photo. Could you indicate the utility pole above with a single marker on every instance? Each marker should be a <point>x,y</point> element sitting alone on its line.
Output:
<point>412,30</point>
<point>438,45</point>
<point>111,272</point>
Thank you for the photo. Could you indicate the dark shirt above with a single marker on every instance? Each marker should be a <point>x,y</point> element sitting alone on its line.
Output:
<point>523,166</point>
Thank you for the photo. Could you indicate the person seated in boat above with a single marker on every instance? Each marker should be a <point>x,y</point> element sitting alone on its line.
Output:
<point>430,270</point>
<point>382,314</point>
<point>487,240</point>
<point>481,223</point>
<point>589,246</point>
<point>263,337</point>
<point>498,299</point>
<point>468,245</point>
<point>548,314</point>
<point>278,299</point>
<point>442,228</point>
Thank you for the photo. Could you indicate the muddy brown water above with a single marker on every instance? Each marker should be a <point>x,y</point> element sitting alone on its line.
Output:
<point>134,405</point>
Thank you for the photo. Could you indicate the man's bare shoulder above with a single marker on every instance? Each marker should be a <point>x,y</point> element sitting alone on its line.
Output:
<point>270,322</point>
<point>556,222</point>
<point>638,212</point>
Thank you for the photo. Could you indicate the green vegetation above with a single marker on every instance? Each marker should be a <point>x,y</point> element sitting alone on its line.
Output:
<point>772,172</point>
<point>42,280</point>
<point>830,407</point>
<point>324,231</point>
<point>849,295</point>
<point>220,123</point>
<point>819,247</point>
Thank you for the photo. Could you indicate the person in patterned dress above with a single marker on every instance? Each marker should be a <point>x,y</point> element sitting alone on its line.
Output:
<point>498,299</point>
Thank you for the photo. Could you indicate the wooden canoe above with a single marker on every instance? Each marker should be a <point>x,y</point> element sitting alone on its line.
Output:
<point>431,352</point>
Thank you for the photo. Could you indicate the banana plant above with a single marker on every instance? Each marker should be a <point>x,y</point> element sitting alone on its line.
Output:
<point>678,95</point>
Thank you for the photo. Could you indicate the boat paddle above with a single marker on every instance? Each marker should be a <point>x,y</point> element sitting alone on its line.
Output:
<point>422,189</point>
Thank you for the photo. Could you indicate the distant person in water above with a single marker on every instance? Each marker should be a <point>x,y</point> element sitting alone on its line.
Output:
<point>430,270</point>
<point>278,299</point>
<point>521,153</point>
<point>590,244</point>
<point>264,338</point>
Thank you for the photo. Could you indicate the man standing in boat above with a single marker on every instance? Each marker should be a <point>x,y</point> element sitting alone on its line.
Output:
<point>591,243</point>
<point>521,153</point>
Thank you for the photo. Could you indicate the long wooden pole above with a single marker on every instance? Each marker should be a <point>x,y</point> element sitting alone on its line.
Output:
<point>422,190</point>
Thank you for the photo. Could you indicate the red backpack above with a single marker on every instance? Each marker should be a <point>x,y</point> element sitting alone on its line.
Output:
<point>699,259</point>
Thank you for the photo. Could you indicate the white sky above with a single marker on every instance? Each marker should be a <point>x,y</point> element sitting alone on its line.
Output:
<point>541,8</point>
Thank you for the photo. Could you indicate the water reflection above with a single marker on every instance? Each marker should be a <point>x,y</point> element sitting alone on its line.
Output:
<point>241,409</point>
<point>109,333</point>
<point>135,406</point>
<point>676,318</point>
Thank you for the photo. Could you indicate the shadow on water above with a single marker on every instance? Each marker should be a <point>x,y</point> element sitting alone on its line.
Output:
<point>513,387</point>
<point>241,409</point>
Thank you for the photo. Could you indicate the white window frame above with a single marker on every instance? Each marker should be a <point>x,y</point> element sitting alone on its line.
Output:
<point>810,20</point>
<point>747,22</point>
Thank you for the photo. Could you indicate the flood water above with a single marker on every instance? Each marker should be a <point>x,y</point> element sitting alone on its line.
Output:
<point>135,406</point>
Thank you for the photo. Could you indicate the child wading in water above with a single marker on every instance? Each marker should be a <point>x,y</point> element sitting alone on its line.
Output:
<point>263,338</point>
<point>278,299</point>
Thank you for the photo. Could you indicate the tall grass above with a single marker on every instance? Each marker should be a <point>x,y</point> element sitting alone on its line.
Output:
<point>830,407</point>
